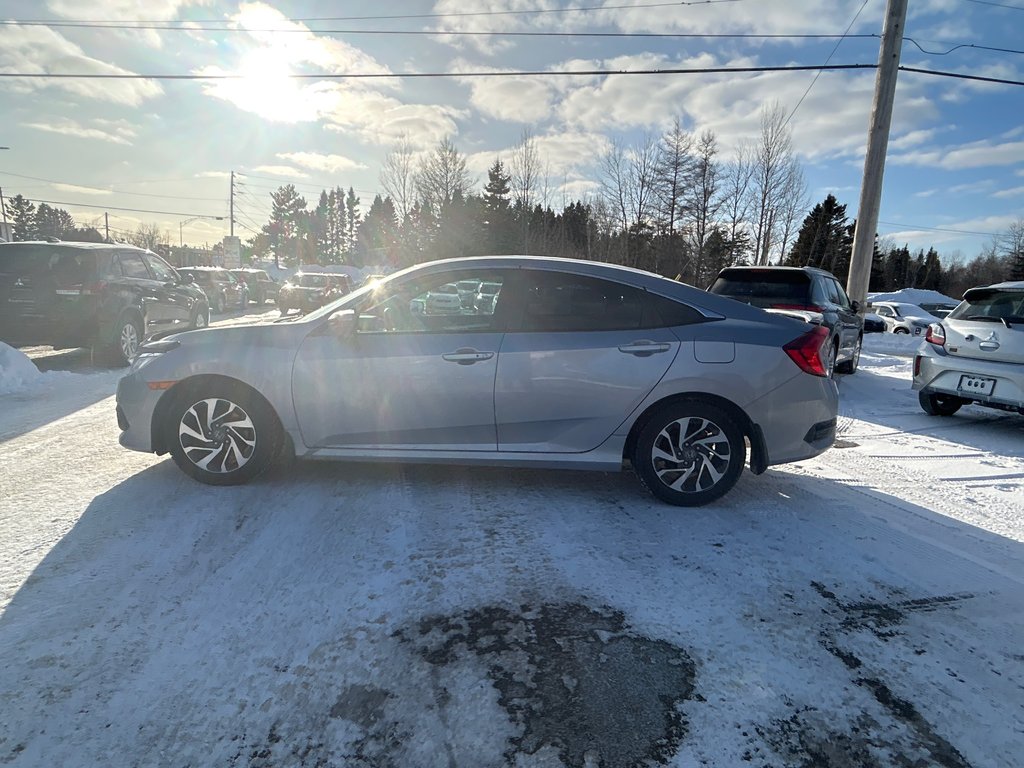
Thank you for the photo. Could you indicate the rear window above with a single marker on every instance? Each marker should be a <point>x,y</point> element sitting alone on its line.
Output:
<point>766,285</point>
<point>991,305</point>
<point>67,266</point>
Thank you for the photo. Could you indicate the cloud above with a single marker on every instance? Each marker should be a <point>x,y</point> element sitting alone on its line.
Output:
<point>564,156</point>
<point>40,50</point>
<point>958,189</point>
<point>319,162</point>
<point>1011,192</point>
<point>978,154</point>
<point>125,10</point>
<point>515,99</point>
<point>114,131</point>
<point>382,119</point>
<point>281,170</point>
<point>81,190</point>
<point>213,175</point>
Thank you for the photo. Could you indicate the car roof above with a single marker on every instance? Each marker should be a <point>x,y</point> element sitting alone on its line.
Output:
<point>773,268</point>
<point>204,269</point>
<point>77,245</point>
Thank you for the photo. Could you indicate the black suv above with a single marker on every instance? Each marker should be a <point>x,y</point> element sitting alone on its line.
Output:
<point>306,291</point>
<point>99,295</point>
<point>801,290</point>
<point>261,285</point>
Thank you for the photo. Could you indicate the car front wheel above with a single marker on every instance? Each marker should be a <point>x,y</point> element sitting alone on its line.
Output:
<point>201,318</point>
<point>126,343</point>
<point>690,453</point>
<point>222,435</point>
<point>939,405</point>
<point>900,330</point>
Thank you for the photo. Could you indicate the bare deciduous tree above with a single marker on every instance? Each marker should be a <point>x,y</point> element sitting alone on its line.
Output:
<point>442,176</point>
<point>674,175</point>
<point>525,167</point>
<point>736,200</point>
<point>147,236</point>
<point>793,205</point>
<point>397,176</point>
<point>615,181</point>
<point>773,163</point>
<point>703,200</point>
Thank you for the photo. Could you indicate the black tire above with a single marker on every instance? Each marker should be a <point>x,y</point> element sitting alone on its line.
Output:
<point>223,434</point>
<point>127,338</point>
<point>830,361</point>
<point>285,309</point>
<point>703,472</point>
<point>901,330</point>
<point>218,304</point>
<point>850,366</point>
<point>200,318</point>
<point>940,405</point>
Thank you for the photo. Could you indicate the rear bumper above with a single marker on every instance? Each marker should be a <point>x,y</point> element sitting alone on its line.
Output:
<point>938,372</point>
<point>798,420</point>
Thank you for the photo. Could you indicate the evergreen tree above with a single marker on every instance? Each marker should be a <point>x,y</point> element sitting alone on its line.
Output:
<point>335,226</point>
<point>824,240</point>
<point>52,222</point>
<point>288,208</point>
<point>351,220</point>
<point>378,233</point>
<point>21,212</point>
<point>498,222</point>
<point>318,227</point>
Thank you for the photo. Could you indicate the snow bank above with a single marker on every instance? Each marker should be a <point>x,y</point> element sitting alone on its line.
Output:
<point>898,344</point>
<point>17,372</point>
<point>913,296</point>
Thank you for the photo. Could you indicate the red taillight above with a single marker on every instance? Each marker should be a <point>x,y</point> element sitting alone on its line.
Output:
<point>805,351</point>
<point>936,335</point>
<point>95,288</point>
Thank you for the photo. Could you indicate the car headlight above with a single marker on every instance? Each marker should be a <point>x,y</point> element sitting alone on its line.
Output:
<point>151,351</point>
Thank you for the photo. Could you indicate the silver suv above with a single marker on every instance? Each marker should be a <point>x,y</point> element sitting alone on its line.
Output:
<point>975,354</point>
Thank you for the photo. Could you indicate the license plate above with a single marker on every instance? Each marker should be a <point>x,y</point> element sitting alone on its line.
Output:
<point>975,385</point>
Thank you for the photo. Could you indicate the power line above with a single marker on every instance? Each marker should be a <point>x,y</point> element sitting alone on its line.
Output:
<point>117,208</point>
<point>833,53</point>
<point>961,76</point>
<point>958,47</point>
<point>463,14</point>
<point>937,229</point>
<point>997,5</point>
<point>418,75</point>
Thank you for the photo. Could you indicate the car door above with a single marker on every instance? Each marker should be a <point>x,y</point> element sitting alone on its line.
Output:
<point>402,380</point>
<point>579,360</point>
<point>145,292</point>
<point>848,320</point>
<point>175,300</point>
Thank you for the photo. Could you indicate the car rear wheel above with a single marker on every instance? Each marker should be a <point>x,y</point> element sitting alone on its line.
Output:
<point>690,453</point>
<point>223,435</point>
<point>901,330</point>
<point>850,366</point>
<point>939,405</point>
<point>127,339</point>
<point>218,304</point>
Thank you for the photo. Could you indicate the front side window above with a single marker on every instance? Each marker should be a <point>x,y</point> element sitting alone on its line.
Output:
<point>432,305</point>
<point>840,295</point>
<point>161,269</point>
<point>133,266</point>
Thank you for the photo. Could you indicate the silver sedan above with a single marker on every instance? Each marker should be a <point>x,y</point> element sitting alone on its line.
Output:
<point>577,365</point>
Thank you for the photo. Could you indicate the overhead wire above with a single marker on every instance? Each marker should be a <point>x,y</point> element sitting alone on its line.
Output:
<point>114,191</point>
<point>997,5</point>
<point>121,208</point>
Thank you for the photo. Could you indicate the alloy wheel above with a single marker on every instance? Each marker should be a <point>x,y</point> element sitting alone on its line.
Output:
<point>217,435</point>
<point>691,454</point>
<point>129,340</point>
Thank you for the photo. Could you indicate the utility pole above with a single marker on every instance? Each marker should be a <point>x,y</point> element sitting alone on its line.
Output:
<point>3,207</point>
<point>106,227</point>
<point>232,227</point>
<point>878,143</point>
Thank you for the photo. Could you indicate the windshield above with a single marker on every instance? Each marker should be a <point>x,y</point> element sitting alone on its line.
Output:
<point>991,306</point>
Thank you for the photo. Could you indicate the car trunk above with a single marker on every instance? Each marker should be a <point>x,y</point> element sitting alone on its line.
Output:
<point>988,326</point>
<point>44,291</point>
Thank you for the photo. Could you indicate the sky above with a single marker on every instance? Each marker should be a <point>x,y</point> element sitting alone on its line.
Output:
<point>954,174</point>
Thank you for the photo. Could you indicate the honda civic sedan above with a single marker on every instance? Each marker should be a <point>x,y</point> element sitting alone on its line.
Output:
<point>576,365</point>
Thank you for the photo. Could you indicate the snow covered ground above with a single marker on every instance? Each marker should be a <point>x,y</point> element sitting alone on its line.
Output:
<point>861,609</point>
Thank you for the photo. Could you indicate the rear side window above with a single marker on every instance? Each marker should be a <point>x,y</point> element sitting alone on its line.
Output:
<point>560,302</point>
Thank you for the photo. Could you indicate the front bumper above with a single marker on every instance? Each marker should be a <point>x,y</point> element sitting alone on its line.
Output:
<point>135,405</point>
<point>938,372</point>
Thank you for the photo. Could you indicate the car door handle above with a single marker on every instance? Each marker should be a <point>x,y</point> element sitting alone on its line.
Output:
<point>645,348</point>
<point>467,356</point>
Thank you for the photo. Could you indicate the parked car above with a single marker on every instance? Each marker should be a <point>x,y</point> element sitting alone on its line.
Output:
<point>306,291</point>
<point>468,289</point>
<point>222,289</point>
<point>444,300</point>
<point>486,297</point>
<point>260,284</point>
<point>873,323</point>
<point>580,365</point>
<point>903,318</point>
<point>109,297</point>
<point>801,289</point>
<point>975,354</point>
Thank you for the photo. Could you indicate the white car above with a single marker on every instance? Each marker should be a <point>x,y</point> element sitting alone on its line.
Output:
<point>900,317</point>
<point>445,300</point>
<point>975,354</point>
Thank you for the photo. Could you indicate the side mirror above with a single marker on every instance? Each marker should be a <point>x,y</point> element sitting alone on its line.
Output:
<point>342,323</point>
<point>188,279</point>
<point>856,307</point>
